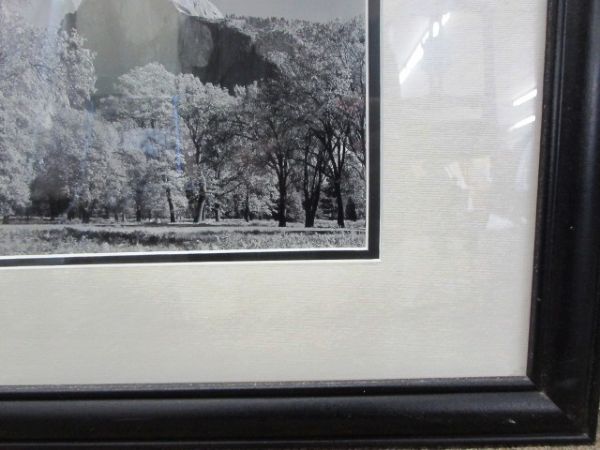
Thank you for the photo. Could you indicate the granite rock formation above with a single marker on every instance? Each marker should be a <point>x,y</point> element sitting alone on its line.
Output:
<point>132,33</point>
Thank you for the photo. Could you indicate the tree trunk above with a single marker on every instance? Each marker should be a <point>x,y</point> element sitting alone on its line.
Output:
<point>311,206</point>
<point>281,204</point>
<point>171,207</point>
<point>309,221</point>
<point>52,207</point>
<point>282,213</point>
<point>340,204</point>
<point>85,216</point>
<point>199,208</point>
<point>138,214</point>
<point>236,207</point>
<point>5,219</point>
<point>310,210</point>
<point>247,208</point>
<point>199,211</point>
<point>218,212</point>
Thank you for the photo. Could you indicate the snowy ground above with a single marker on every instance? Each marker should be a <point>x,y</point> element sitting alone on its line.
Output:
<point>42,239</point>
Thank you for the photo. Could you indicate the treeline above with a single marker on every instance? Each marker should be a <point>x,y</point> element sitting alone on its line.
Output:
<point>169,146</point>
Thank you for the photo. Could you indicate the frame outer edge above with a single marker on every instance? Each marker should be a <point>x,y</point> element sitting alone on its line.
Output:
<point>479,417</point>
<point>565,351</point>
<point>593,137</point>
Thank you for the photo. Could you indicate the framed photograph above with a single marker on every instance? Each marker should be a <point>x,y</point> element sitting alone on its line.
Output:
<point>187,134</point>
<point>232,223</point>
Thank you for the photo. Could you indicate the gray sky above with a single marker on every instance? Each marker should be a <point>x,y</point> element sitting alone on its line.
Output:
<point>315,10</point>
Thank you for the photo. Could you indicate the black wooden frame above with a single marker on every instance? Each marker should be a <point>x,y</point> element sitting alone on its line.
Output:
<point>557,402</point>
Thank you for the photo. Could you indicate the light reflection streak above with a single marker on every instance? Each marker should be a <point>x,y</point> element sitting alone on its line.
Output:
<point>419,52</point>
<point>523,123</point>
<point>525,98</point>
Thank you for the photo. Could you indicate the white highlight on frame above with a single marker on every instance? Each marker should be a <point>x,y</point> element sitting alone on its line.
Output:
<point>525,98</point>
<point>418,53</point>
<point>523,123</point>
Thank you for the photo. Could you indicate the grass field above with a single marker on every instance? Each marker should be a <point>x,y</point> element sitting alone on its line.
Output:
<point>43,239</point>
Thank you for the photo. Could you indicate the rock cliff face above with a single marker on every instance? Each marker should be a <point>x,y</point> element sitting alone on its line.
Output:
<point>229,57</point>
<point>132,33</point>
<point>198,8</point>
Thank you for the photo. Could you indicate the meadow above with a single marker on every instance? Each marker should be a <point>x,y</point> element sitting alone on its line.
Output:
<point>50,238</point>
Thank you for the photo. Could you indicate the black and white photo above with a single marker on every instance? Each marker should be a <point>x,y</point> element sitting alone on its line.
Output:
<point>141,126</point>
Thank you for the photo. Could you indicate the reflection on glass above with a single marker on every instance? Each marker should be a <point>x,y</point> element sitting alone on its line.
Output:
<point>525,98</point>
<point>464,94</point>
<point>522,123</point>
<point>419,52</point>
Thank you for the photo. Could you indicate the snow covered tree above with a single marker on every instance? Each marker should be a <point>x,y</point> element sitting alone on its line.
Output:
<point>326,78</point>
<point>78,165</point>
<point>40,74</point>
<point>15,166</point>
<point>17,115</point>
<point>140,175</point>
<point>147,96</point>
<point>205,111</point>
<point>272,122</point>
<point>74,74</point>
<point>351,43</point>
<point>313,161</point>
<point>329,119</point>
